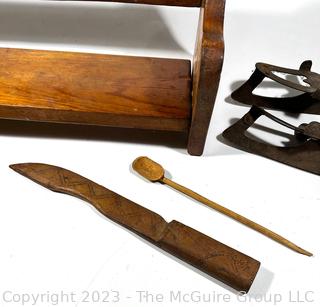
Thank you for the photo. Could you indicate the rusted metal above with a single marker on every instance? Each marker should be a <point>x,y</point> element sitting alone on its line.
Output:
<point>304,154</point>
<point>307,102</point>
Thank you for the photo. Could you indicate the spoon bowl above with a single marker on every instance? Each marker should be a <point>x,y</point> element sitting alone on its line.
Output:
<point>148,169</point>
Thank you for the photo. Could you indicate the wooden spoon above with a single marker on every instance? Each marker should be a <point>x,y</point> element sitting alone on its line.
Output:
<point>156,173</point>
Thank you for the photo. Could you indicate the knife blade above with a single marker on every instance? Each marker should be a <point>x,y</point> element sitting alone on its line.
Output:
<point>218,260</point>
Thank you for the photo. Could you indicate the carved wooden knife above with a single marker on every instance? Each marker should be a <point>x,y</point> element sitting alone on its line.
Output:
<point>208,255</point>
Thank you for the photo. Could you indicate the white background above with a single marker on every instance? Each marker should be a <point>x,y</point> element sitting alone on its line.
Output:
<point>52,243</point>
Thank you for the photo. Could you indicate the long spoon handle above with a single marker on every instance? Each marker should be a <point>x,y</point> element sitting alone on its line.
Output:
<point>265,231</point>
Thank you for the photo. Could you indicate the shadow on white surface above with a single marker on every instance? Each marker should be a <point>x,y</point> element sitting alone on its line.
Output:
<point>267,87</point>
<point>270,85</point>
<point>291,139</point>
<point>13,128</point>
<point>85,24</point>
<point>262,283</point>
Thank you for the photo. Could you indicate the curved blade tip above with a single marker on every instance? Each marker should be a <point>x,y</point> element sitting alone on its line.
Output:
<point>25,169</point>
<point>18,167</point>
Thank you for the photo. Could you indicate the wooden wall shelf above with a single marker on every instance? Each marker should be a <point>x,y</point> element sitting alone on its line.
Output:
<point>119,91</point>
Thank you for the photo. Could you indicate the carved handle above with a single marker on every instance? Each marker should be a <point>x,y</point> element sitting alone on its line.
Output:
<point>210,256</point>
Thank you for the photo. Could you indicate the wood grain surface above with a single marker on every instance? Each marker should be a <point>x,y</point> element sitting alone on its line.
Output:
<point>118,91</point>
<point>208,60</point>
<point>216,259</point>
